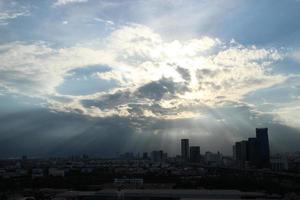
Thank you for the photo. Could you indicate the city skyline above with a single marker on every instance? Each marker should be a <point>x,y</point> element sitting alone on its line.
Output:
<point>248,150</point>
<point>104,76</point>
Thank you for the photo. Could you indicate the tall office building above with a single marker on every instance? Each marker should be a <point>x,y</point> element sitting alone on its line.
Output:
<point>241,150</point>
<point>263,148</point>
<point>185,149</point>
<point>194,153</point>
<point>255,152</point>
<point>252,151</point>
<point>234,152</point>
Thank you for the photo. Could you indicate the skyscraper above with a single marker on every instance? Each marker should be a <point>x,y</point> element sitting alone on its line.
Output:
<point>252,151</point>
<point>185,148</point>
<point>241,150</point>
<point>255,152</point>
<point>234,152</point>
<point>194,153</point>
<point>263,149</point>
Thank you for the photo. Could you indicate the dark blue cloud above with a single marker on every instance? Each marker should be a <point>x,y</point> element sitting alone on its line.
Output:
<point>157,89</point>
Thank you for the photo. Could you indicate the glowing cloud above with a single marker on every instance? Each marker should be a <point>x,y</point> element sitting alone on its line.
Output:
<point>154,78</point>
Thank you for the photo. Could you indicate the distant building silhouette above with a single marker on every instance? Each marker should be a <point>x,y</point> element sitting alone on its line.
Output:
<point>263,148</point>
<point>254,152</point>
<point>185,149</point>
<point>195,153</point>
<point>234,152</point>
<point>241,152</point>
<point>158,156</point>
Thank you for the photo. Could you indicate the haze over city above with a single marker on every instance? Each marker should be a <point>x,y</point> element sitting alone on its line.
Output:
<point>105,77</point>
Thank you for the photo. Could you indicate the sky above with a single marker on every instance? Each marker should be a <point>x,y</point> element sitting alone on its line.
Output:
<point>103,77</point>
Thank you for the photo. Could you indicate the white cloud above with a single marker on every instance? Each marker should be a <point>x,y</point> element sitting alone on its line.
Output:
<point>64,2</point>
<point>218,72</point>
<point>36,69</point>
<point>288,114</point>
<point>233,71</point>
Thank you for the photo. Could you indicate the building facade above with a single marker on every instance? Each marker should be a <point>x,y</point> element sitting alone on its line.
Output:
<point>254,152</point>
<point>263,149</point>
<point>195,153</point>
<point>185,149</point>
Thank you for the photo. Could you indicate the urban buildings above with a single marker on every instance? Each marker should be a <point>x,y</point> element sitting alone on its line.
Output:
<point>279,162</point>
<point>213,159</point>
<point>156,170</point>
<point>158,156</point>
<point>195,153</point>
<point>241,151</point>
<point>263,149</point>
<point>254,152</point>
<point>185,149</point>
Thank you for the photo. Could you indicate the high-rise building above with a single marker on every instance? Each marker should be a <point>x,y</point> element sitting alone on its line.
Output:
<point>244,150</point>
<point>238,151</point>
<point>185,149</point>
<point>234,152</point>
<point>195,153</point>
<point>241,150</point>
<point>263,148</point>
<point>252,151</point>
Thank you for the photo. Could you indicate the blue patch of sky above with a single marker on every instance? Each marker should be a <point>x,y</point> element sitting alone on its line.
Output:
<point>264,22</point>
<point>84,81</point>
<point>287,66</point>
<point>45,23</point>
